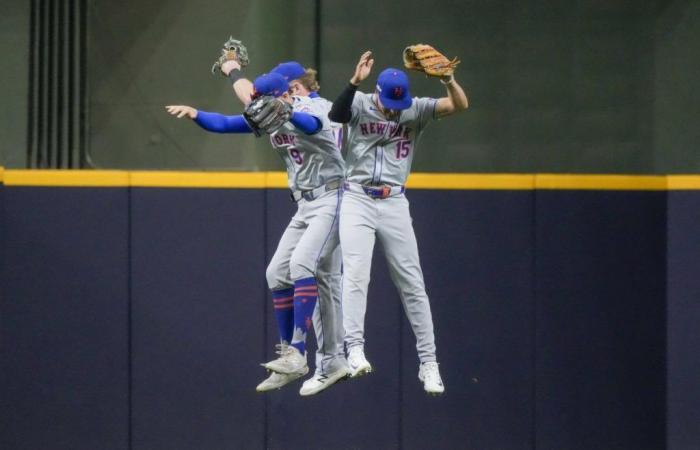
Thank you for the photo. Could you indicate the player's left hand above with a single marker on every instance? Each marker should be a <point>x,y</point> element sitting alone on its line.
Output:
<point>230,65</point>
<point>181,111</point>
<point>364,67</point>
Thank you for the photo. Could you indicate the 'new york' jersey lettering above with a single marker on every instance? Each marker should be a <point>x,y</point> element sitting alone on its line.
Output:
<point>311,160</point>
<point>380,151</point>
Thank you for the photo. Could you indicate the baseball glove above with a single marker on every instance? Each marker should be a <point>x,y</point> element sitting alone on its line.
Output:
<point>424,58</point>
<point>267,114</point>
<point>232,50</point>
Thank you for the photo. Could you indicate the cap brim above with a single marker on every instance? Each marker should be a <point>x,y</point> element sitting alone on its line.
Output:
<point>395,104</point>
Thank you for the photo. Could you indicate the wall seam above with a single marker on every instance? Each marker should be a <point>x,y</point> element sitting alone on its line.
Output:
<point>129,318</point>
<point>534,301</point>
<point>266,313</point>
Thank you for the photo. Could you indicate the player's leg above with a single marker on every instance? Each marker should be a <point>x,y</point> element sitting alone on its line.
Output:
<point>279,279</point>
<point>316,246</point>
<point>329,310</point>
<point>319,240</point>
<point>331,364</point>
<point>358,220</point>
<point>282,288</point>
<point>398,239</point>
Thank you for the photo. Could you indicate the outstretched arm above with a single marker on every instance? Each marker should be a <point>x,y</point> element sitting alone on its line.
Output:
<point>306,122</point>
<point>455,101</point>
<point>341,111</point>
<point>218,123</point>
<point>242,87</point>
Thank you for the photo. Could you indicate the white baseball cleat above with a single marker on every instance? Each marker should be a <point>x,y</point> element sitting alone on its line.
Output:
<point>429,374</point>
<point>289,362</point>
<point>277,380</point>
<point>321,381</point>
<point>357,362</point>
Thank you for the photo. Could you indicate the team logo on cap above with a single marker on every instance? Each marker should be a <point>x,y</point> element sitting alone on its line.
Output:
<point>398,92</point>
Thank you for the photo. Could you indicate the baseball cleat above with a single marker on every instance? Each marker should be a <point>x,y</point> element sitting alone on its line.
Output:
<point>289,362</point>
<point>429,374</point>
<point>277,380</point>
<point>357,362</point>
<point>319,381</point>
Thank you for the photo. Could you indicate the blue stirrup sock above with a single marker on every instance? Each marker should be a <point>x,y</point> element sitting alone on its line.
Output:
<point>283,302</point>
<point>305,296</point>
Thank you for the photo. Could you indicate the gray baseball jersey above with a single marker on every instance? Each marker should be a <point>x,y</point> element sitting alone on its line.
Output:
<point>310,244</point>
<point>335,126</point>
<point>381,151</point>
<point>311,160</point>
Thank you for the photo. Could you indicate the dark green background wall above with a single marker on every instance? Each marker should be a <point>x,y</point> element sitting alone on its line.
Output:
<point>555,86</point>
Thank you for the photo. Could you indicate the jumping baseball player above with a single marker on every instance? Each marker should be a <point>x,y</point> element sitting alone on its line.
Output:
<point>384,129</point>
<point>315,168</point>
<point>330,353</point>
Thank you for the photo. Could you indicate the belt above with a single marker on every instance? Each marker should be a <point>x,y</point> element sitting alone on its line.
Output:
<point>382,192</point>
<point>313,194</point>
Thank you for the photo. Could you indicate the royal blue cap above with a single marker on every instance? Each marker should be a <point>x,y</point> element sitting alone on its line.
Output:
<point>290,70</point>
<point>392,86</point>
<point>270,84</point>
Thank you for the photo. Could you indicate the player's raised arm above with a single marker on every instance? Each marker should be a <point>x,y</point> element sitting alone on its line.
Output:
<point>455,101</point>
<point>242,87</point>
<point>233,57</point>
<point>341,111</point>
<point>426,59</point>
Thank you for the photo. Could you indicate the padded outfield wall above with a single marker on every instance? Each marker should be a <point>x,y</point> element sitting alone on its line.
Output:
<point>134,314</point>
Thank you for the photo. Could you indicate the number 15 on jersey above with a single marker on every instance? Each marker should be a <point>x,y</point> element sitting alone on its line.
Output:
<point>402,149</point>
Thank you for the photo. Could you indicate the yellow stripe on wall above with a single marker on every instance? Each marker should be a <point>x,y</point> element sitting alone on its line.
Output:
<point>683,182</point>
<point>601,182</point>
<point>278,180</point>
<point>61,178</point>
<point>470,181</point>
<point>199,179</point>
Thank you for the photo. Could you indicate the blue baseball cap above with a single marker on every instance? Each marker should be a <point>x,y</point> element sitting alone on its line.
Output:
<point>270,84</point>
<point>392,86</point>
<point>290,70</point>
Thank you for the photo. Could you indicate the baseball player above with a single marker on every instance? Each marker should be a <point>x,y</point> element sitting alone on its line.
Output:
<point>384,128</point>
<point>330,354</point>
<point>315,168</point>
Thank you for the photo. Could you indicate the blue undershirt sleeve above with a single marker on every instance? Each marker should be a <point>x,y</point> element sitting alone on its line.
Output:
<point>219,123</point>
<point>306,122</point>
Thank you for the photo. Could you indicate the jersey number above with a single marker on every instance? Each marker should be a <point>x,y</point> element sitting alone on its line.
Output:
<point>402,149</point>
<point>296,156</point>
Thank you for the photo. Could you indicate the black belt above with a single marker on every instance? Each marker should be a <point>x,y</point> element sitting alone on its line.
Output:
<point>313,194</point>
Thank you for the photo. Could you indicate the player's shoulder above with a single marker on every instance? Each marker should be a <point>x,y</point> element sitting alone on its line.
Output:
<point>320,100</point>
<point>300,100</point>
<point>421,101</point>
<point>322,103</point>
<point>303,104</point>
<point>422,104</point>
<point>362,100</point>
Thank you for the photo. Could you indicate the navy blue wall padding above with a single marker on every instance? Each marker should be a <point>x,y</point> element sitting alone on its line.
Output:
<point>340,418</point>
<point>477,260</point>
<point>2,250</point>
<point>64,319</point>
<point>683,389</point>
<point>137,318</point>
<point>197,275</point>
<point>600,320</point>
